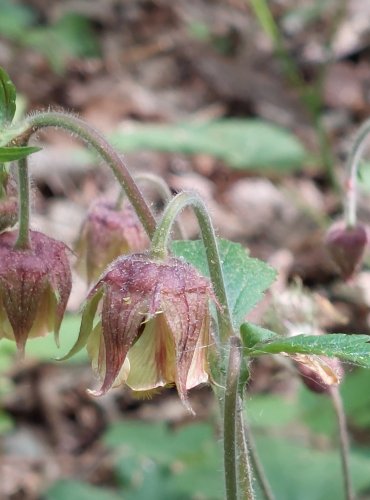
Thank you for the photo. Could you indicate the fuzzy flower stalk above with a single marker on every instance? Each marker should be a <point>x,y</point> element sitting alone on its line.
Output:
<point>154,326</point>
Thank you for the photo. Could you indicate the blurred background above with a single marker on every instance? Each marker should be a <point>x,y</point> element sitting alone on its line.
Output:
<point>252,104</point>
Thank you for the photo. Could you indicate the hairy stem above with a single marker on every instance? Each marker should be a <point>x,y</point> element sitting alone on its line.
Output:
<point>257,465</point>
<point>343,440</point>
<point>164,192</point>
<point>24,205</point>
<point>97,142</point>
<point>245,471</point>
<point>160,243</point>
<point>230,419</point>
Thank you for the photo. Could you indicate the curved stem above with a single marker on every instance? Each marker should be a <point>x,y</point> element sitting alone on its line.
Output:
<point>161,186</point>
<point>164,192</point>
<point>352,165</point>
<point>160,243</point>
<point>24,205</point>
<point>230,416</point>
<point>97,142</point>
<point>245,470</point>
<point>343,438</point>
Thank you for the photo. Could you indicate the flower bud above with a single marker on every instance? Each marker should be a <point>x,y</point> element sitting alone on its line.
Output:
<point>106,234</point>
<point>346,246</point>
<point>318,373</point>
<point>155,325</point>
<point>35,284</point>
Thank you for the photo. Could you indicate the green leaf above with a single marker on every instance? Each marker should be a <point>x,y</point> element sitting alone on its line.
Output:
<point>148,453</point>
<point>351,348</point>
<point>44,348</point>
<point>253,334</point>
<point>242,144</point>
<point>299,472</point>
<point>16,153</point>
<point>246,278</point>
<point>7,99</point>
<point>63,489</point>
<point>71,37</point>
<point>14,19</point>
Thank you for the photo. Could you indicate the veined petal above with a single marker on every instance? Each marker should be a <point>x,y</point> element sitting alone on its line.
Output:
<point>121,320</point>
<point>198,371</point>
<point>152,357</point>
<point>186,312</point>
<point>21,289</point>
<point>96,351</point>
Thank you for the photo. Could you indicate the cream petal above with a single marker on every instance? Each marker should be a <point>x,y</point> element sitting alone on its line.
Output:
<point>198,371</point>
<point>152,357</point>
<point>96,351</point>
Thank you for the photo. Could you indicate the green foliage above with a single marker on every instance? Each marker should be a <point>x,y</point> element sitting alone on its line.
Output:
<point>350,348</point>
<point>7,98</point>
<point>44,348</point>
<point>16,153</point>
<point>240,143</point>
<point>77,489</point>
<point>253,334</point>
<point>297,468</point>
<point>15,19</point>
<point>6,422</point>
<point>302,472</point>
<point>155,462</point>
<point>71,36</point>
<point>246,278</point>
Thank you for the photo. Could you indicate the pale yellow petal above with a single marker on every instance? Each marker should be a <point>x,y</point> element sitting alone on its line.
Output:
<point>152,357</point>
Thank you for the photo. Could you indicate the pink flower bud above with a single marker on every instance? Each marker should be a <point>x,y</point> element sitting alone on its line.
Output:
<point>106,234</point>
<point>35,284</point>
<point>155,325</point>
<point>346,246</point>
<point>319,373</point>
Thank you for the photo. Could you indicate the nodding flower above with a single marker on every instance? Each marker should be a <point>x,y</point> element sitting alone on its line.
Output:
<point>154,327</point>
<point>107,233</point>
<point>35,284</point>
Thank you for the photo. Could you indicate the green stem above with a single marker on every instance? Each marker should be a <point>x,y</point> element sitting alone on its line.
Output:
<point>257,464</point>
<point>343,439</point>
<point>160,243</point>
<point>23,241</point>
<point>97,142</point>
<point>352,165</point>
<point>164,192</point>
<point>160,186</point>
<point>230,419</point>
<point>245,470</point>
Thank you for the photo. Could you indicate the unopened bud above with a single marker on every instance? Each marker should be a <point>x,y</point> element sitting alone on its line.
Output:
<point>319,373</point>
<point>107,233</point>
<point>346,246</point>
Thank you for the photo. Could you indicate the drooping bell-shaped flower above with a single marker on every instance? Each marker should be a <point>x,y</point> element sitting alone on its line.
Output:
<point>346,246</point>
<point>154,328</point>
<point>107,233</point>
<point>35,284</point>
